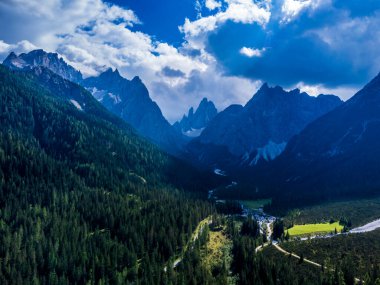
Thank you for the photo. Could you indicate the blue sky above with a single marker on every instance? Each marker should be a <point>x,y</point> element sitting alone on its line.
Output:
<point>221,49</point>
<point>161,19</point>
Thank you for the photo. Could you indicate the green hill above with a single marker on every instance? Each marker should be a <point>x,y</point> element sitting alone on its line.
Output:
<point>83,199</point>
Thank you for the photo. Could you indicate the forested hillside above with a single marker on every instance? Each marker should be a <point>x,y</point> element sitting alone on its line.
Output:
<point>83,199</point>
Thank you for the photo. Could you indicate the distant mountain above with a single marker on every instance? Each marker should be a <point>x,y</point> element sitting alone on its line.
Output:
<point>194,123</point>
<point>41,58</point>
<point>336,156</point>
<point>129,99</point>
<point>261,129</point>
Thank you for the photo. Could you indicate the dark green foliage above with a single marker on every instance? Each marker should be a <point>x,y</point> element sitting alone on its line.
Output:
<point>352,213</point>
<point>82,198</point>
<point>278,229</point>
<point>250,227</point>
<point>356,254</point>
<point>229,207</point>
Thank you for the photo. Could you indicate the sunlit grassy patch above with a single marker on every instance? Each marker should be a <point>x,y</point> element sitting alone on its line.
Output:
<point>215,248</point>
<point>308,229</point>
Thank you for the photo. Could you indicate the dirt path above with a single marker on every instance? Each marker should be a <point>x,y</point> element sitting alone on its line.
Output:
<point>296,256</point>
<point>357,280</point>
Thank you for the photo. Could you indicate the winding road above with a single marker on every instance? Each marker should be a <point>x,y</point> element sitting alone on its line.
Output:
<point>307,260</point>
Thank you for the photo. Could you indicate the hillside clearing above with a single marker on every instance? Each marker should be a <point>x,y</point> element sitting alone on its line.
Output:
<point>300,230</point>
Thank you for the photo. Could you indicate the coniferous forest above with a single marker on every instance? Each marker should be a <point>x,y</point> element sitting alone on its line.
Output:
<point>83,201</point>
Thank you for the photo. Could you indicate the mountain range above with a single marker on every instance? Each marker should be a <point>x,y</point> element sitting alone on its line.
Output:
<point>244,136</point>
<point>336,156</point>
<point>283,141</point>
<point>128,99</point>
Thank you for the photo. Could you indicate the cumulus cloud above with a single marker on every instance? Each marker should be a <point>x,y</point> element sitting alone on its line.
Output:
<point>330,45</point>
<point>291,8</point>
<point>4,47</point>
<point>344,92</point>
<point>222,90</point>
<point>20,47</point>
<point>251,52</point>
<point>213,4</point>
<point>237,11</point>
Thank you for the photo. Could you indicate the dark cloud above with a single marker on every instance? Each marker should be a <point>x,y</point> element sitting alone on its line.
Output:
<point>169,72</point>
<point>332,46</point>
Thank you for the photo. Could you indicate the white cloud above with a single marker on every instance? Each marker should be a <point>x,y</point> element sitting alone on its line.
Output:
<point>314,90</point>
<point>213,4</point>
<point>292,8</point>
<point>4,47</point>
<point>20,47</point>
<point>221,89</point>
<point>250,52</point>
<point>238,11</point>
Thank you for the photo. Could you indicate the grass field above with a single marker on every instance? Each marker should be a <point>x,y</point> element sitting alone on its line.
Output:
<point>255,204</point>
<point>309,229</point>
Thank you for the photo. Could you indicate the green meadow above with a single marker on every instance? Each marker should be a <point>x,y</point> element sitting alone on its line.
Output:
<point>300,230</point>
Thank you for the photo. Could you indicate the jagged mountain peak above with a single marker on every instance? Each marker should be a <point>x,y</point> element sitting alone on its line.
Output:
<point>194,122</point>
<point>137,79</point>
<point>264,125</point>
<point>12,55</point>
<point>49,60</point>
<point>204,101</point>
<point>110,73</point>
<point>130,100</point>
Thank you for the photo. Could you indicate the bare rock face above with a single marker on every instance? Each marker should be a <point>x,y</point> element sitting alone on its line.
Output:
<point>41,58</point>
<point>129,99</point>
<point>194,123</point>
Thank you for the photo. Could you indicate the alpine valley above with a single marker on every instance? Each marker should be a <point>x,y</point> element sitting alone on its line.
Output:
<point>97,187</point>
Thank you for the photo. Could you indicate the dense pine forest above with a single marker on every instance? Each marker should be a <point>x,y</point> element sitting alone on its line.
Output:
<point>84,200</point>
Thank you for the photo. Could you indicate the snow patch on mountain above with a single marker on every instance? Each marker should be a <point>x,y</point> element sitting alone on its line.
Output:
<point>269,152</point>
<point>193,133</point>
<point>219,172</point>
<point>76,104</point>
